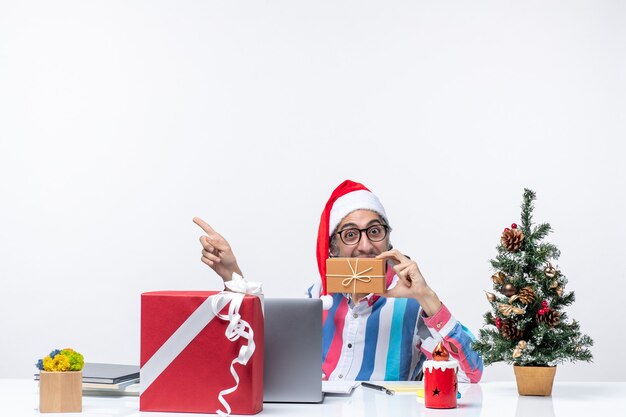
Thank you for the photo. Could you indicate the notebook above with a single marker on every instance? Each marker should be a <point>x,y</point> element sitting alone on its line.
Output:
<point>293,350</point>
<point>108,373</point>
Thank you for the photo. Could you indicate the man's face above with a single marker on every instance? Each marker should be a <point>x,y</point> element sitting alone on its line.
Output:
<point>365,248</point>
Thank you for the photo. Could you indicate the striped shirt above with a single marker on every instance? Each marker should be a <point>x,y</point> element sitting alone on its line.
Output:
<point>389,339</point>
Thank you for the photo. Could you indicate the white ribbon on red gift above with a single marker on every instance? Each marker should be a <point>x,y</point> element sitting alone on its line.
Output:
<point>197,321</point>
<point>237,327</point>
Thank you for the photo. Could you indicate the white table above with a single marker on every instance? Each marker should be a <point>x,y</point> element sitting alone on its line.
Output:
<point>19,398</point>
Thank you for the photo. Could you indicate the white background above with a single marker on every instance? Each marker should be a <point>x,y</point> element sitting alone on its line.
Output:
<point>120,121</point>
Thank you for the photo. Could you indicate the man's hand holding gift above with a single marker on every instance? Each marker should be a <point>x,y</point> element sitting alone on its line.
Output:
<point>411,282</point>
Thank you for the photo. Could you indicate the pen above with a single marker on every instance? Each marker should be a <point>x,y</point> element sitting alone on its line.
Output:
<point>377,387</point>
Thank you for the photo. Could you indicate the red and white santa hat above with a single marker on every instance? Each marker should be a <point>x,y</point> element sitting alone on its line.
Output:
<point>346,198</point>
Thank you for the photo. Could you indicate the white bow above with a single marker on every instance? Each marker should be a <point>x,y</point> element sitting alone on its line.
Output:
<point>239,284</point>
<point>237,327</point>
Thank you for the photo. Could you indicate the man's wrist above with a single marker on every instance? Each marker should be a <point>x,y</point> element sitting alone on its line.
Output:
<point>424,292</point>
<point>228,276</point>
<point>429,300</point>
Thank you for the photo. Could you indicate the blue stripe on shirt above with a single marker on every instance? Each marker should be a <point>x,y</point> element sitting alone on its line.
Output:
<point>371,339</point>
<point>392,369</point>
<point>408,331</point>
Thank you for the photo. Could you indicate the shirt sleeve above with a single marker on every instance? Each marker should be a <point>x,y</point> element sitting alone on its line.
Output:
<point>458,340</point>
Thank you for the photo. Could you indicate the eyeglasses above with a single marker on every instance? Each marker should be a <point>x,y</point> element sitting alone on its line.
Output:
<point>375,233</point>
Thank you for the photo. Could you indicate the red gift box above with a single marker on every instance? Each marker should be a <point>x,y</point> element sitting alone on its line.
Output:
<point>186,356</point>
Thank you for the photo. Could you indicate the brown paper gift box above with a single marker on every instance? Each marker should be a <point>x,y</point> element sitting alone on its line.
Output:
<point>356,275</point>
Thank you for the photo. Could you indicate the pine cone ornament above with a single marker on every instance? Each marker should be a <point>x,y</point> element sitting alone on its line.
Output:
<point>512,239</point>
<point>527,295</point>
<point>510,331</point>
<point>550,317</point>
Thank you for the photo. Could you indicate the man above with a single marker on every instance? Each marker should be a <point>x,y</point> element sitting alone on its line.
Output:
<point>368,336</point>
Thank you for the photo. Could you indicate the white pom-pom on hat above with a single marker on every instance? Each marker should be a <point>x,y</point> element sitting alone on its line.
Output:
<point>327,301</point>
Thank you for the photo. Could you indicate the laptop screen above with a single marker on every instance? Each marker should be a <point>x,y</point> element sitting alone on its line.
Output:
<point>293,350</point>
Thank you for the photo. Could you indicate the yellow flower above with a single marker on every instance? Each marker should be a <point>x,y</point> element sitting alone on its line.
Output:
<point>60,363</point>
<point>47,363</point>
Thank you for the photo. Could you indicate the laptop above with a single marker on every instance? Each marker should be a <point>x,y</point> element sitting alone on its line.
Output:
<point>293,350</point>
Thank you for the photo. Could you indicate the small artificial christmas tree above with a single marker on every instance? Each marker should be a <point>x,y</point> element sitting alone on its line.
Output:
<point>527,325</point>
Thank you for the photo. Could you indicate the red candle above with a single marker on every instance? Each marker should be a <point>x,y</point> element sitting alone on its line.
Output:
<point>440,383</point>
